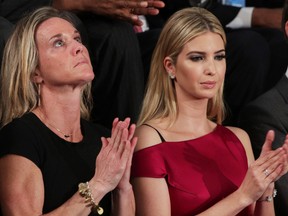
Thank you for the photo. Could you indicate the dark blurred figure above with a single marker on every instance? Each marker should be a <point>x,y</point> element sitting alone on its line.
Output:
<point>270,111</point>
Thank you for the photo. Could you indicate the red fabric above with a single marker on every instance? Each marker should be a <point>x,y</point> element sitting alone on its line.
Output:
<point>199,172</point>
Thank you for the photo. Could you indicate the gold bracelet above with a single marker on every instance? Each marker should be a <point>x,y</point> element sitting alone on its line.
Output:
<point>85,191</point>
<point>269,198</point>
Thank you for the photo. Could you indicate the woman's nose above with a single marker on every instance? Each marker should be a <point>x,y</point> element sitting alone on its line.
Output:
<point>211,68</point>
<point>78,48</point>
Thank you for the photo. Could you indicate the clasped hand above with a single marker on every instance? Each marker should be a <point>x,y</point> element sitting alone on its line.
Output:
<point>114,160</point>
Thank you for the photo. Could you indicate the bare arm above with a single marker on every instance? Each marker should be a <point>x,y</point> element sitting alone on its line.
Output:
<point>151,194</point>
<point>22,188</point>
<point>126,10</point>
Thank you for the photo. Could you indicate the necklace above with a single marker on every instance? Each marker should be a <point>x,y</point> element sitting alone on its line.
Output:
<point>66,136</point>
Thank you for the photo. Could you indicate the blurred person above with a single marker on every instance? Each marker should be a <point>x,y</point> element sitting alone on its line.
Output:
<point>269,111</point>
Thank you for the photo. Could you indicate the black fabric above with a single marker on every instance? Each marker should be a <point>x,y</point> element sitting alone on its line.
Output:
<point>246,71</point>
<point>265,3</point>
<point>13,10</point>
<point>278,48</point>
<point>224,13</point>
<point>118,85</point>
<point>63,164</point>
<point>5,30</point>
<point>161,137</point>
<point>147,41</point>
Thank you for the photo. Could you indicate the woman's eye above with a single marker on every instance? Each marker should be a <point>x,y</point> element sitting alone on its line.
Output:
<point>220,57</point>
<point>58,43</point>
<point>196,58</point>
<point>78,39</point>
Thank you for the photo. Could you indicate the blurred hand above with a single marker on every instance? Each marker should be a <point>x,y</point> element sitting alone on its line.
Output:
<point>126,10</point>
<point>267,17</point>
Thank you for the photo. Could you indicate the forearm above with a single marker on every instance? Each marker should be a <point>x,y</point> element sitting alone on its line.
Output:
<point>263,206</point>
<point>231,205</point>
<point>123,203</point>
<point>85,200</point>
<point>76,205</point>
<point>264,209</point>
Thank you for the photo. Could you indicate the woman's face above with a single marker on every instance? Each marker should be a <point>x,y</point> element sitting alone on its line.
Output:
<point>63,59</point>
<point>200,67</point>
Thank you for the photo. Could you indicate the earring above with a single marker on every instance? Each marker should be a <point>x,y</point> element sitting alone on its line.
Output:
<point>39,94</point>
<point>172,76</point>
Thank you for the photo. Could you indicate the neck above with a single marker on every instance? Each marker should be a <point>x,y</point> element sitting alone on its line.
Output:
<point>60,111</point>
<point>192,115</point>
<point>63,123</point>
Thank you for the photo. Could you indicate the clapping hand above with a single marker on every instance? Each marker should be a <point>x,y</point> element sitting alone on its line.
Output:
<point>267,147</point>
<point>114,160</point>
<point>269,167</point>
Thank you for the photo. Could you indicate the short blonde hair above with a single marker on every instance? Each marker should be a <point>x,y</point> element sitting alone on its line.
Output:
<point>18,92</point>
<point>160,97</point>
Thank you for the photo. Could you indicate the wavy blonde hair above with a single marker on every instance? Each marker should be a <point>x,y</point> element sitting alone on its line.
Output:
<point>19,94</point>
<point>160,98</point>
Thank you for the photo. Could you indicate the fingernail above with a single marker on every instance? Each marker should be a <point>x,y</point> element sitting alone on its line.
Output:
<point>143,4</point>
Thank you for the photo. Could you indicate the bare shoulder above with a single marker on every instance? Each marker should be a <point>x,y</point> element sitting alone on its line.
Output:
<point>147,136</point>
<point>240,133</point>
<point>245,140</point>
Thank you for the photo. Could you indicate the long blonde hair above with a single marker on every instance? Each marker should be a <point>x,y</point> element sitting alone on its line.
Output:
<point>19,94</point>
<point>160,97</point>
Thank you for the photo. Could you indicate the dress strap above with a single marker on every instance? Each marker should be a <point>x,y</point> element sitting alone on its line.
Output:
<point>161,137</point>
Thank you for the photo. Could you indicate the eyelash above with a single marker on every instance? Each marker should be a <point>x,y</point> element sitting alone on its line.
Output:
<point>220,57</point>
<point>56,43</point>
<point>199,58</point>
<point>78,39</point>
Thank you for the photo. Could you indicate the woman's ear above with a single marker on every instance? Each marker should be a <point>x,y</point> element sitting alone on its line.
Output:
<point>36,77</point>
<point>169,67</point>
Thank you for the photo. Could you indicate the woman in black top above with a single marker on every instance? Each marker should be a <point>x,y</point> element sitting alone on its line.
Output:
<point>48,149</point>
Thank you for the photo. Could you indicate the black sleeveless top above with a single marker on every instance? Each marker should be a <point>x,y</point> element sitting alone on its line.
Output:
<point>63,164</point>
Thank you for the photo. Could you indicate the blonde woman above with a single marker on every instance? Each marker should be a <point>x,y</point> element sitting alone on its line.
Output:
<point>48,149</point>
<point>186,163</point>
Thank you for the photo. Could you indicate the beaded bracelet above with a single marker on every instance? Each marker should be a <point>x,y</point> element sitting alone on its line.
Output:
<point>85,191</point>
<point>269,198</point>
